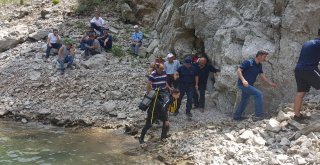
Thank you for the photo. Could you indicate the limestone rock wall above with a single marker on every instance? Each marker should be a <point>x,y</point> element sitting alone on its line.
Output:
<point>231,31</point>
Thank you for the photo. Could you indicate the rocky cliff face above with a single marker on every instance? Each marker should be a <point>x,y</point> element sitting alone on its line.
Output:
<point>231,31</point>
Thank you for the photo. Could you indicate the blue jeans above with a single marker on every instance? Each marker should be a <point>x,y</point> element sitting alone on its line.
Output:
<point>98,28</point>
<point>186,89</point>
<point>67,59</point>
<point>53,45</point>
<point>135,48</point>
<point>246,93</point>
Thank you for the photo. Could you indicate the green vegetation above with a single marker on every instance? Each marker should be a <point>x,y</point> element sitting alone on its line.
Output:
<point>67,41</point>
<point>55,2</point>
<point>79,25</point>
<point>88,6</point>
<point>117,51</point>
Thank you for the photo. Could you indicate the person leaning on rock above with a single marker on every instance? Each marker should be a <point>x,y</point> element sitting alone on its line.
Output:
<point>136,40</point>
<point>306,73</point>
<point>53,42</point>
<point>203,70</point>
<point>66,54</point>
<point>247,73</point>
<point>92,47</point>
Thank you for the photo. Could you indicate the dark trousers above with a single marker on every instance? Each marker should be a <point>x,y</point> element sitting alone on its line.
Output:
<point>98,28</point>
<point>53,45</point>
<point>90,51</point>
<point>171,82</point>
<point>148,125</point>
<point>199,101</point>
<point>189,90</point>
<point>107,47</point>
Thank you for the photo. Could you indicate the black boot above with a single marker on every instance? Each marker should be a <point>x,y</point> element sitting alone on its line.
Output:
<point>164,133</point>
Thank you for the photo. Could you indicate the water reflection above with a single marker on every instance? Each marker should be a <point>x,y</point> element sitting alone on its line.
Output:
<point>34,143</point>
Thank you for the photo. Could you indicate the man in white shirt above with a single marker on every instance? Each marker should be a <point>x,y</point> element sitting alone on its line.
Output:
<point>97,23</point>
<point>170,67</point>
<point>53,42</point>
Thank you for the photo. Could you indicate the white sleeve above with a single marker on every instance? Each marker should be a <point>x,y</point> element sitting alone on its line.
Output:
<point>92,20</point>
<point>102,21</point>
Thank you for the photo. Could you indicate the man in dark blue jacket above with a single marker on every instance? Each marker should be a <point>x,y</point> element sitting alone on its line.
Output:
<point>188,81</point>
<point>307,73</point>
<point>203,71</point>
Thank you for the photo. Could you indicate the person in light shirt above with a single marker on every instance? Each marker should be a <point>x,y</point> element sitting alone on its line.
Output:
<point>53,42</point>
<point>170,67</point>
<point>97,23</point>
<point>136,40</point>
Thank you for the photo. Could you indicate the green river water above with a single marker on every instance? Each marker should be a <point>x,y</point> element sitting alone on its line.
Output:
<point>34,143</point>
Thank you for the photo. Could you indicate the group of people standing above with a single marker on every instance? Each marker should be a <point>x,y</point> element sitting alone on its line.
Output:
<point>95,39</point>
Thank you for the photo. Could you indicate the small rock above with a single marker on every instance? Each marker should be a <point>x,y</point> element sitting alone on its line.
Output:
<point>282,116</point>
<point>273,125</point>
<point>24,120</point>
<point>259,140</point>
<point>3,112</point>
<point>229,136</point>
<point>248,134</point>
<point>122,116</point>
<point>34,75</point>
<point>285,142</point>
<point>44,111</point>
<point>299,160</point>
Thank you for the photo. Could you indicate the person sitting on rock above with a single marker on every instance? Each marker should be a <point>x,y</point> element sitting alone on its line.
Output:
<point>53,42</point>
<point>97,23</point>
<point>92,47</point>
<point>85,38</point>
<point>136,40</point>
<point>106,40</point>
<point>66,54</point>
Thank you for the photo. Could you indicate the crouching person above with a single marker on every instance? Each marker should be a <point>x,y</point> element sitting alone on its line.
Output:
<point>159,111</point>
<point>66,55</point>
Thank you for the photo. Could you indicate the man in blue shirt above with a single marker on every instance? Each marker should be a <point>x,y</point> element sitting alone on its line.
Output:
<point>307,73</point>
<point>188,81</point>
<point>247,73</point>
<point>136,40</point>
<point>170,67</point>
<point>203,70</point>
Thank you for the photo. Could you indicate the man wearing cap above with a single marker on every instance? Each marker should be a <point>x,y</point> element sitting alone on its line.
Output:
<point>97,23</point>
<point>306,73</point>
<point>136,40</point>
<point>204,70</point>
<point>247,73</point>
<point>188,81</point>
<point>105,40</point>
<point>170,67</point>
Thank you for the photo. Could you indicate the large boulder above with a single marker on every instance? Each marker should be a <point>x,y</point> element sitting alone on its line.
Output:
<point>10,37</point>
<point>97,61</point>
<point>231,31</point>
<point>39,35</point>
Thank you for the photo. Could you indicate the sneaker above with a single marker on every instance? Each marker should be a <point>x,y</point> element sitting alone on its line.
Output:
<point>240,118</point>
<point>189,114</point>
<point>255,119</point>
<point>300,118</point>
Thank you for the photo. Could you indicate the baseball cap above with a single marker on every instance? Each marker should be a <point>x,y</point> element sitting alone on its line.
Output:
<point>135,26</point>
<point>169,55</point>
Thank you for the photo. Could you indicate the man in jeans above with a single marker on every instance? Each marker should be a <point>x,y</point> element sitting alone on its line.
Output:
<point>53,42</point>
<point>247,73</point>
<point>136,40</point>
<point>307,73</point>
<point>170,67</point>
<point>66,55</point>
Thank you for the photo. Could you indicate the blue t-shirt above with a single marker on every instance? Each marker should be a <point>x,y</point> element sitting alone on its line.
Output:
<point>250,71</point>
<point>158,80</point>
<point>204,73</point>
<point>309,55</point>
<point>187,75</point>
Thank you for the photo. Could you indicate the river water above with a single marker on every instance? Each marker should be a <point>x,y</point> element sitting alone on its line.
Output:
<point>34,143</point>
